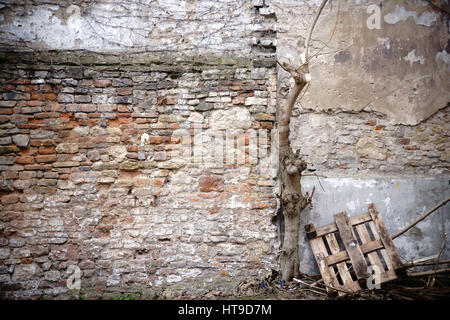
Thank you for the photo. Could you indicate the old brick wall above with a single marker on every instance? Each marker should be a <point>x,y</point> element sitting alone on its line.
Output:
<point>81,186</point>
<point>98,165</point>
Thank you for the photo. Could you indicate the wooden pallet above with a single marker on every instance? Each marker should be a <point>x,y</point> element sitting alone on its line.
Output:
<point>346,248</point>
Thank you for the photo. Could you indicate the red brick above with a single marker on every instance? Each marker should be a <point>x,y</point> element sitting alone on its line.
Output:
<point>47,88</point>
<point>35,143</point>
<point>7,87</point>
<point>46,158</point>
<point>132,148</point>
<point>102,83</point>
<point>158,182</point>
<point>171,100</point>
<point>132,155</point>
<point>38,166</point>
<point>47,150</point>
<point>126,91</point>
<point>174,140</point>
<point>123,108</point>
<point>156,139</point>
<point>25,160</point>
<point>33,103</point>
<point>6,111</point>
<point>28,88</point>
<point>10,198</point>
<point>48,143</point>
<point>211,183</point>
<point>20,81</point>
<point>55,107</point>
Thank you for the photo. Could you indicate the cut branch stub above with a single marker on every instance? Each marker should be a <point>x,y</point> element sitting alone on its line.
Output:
<point>310,231</point>
<point>290,201</point>
<point>293,164</point>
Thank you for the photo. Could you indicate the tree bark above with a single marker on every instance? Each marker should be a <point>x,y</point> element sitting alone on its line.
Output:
<point>291,166</point>
<point>291,196</point>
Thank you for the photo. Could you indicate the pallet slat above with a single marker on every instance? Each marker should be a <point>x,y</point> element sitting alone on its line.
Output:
<point>329,228</point>
<point>320,254</point>
<point>382,251</point>
<point>342,267</point>
<point>351,245</point>
<point>385,238</point>
<point>365,238</point>
<point>365,248</point>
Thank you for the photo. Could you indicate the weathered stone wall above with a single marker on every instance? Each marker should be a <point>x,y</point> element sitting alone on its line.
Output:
<point>81,186</point>
<point>137,25</point>
<point>367,143</point>
<point>97,165</point>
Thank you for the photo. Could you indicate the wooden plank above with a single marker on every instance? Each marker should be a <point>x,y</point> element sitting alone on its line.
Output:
<point>351,245</point>
<point>342,267</point>
<point>382,251</point>
<point>320,253</point>
<point>385,276</point>
<point>365,238</point>
<point>388,276</point>
<point>329,228</point>
<point>385,238</point>
<point>365,248</point>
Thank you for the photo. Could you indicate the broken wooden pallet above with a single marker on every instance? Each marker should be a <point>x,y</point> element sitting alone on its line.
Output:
<point>344,251</point>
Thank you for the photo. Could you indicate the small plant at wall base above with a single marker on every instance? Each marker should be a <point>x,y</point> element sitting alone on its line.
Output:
<point>129,296</point>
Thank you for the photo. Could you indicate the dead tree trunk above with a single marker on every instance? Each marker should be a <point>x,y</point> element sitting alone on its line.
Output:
<point>291,166</point>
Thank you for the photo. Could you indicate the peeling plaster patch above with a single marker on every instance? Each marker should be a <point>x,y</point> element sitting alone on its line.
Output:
<point>426,19</point>
<point>445,57</point>
<point>411,57</point>
<point>384,42</point>
<point>401,14</point>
